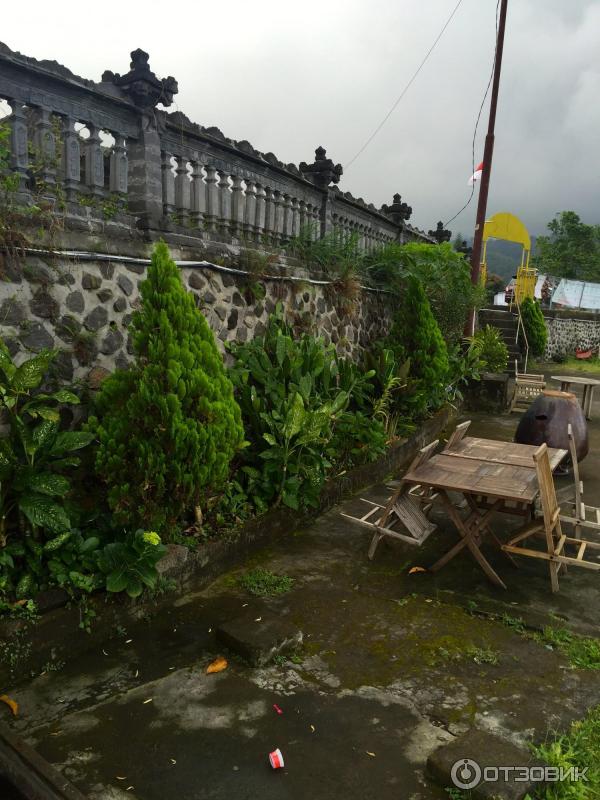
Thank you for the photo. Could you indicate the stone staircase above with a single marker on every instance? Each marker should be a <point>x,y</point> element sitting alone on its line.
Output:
<point>507,323</point>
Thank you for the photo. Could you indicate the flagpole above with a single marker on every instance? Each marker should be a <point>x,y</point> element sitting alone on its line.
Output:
<point>488,153</point>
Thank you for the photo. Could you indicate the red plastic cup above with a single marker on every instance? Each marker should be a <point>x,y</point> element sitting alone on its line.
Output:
<point>276,759</point>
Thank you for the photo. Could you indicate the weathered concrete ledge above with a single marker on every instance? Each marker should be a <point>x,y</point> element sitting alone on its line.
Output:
<point>35,778</point>
<point>57,636</point>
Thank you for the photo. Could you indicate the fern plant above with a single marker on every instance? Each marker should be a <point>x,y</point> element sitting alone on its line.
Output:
<point>491,349</point>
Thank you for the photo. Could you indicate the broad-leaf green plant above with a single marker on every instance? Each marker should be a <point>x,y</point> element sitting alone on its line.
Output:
<point>35,453</point>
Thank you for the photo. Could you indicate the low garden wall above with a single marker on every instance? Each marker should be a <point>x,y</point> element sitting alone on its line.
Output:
<point>82,304</point>
<point>56,635</point>
<point>569,329</point>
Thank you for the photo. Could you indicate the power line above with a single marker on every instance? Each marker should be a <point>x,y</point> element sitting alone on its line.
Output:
<point>487,89</point>
<point>406,88</point>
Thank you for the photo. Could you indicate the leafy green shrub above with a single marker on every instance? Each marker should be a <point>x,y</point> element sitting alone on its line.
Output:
<point>130,565</point>
<point>444,274</point>
<point>293,392</point>
<point>493,352</point>
<point>535,326</point>
<point>415,335</point>
<point>358,438</point>
<point>167,428</point>
<point>35,454</point>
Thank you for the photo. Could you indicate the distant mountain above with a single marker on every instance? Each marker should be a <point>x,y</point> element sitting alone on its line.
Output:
<point>503,258</point>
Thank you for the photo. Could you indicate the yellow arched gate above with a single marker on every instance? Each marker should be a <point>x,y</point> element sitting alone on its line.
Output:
<point>510,228</point>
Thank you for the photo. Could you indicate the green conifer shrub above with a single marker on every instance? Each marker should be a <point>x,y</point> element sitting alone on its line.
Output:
<point>535,326</point>
<point>167,428</point>
<point>415,335</point>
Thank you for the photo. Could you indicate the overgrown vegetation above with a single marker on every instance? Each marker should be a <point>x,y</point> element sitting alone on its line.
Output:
<point>491,349</point>
<point>264,583</point>
<point>168,455</point>
<point>298,402</point>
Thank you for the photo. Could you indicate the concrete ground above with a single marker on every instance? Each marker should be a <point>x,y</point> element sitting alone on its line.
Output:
<point>388,671</point>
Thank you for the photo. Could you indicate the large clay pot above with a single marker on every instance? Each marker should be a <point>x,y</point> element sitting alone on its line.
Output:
<point>547,418</point>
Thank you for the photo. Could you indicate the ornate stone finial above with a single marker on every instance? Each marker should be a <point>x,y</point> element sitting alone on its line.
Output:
<point>440,234</point>
<point>323,171</point>
<point>141,85</point>
<point>465,249</point>
<point>398,212</point>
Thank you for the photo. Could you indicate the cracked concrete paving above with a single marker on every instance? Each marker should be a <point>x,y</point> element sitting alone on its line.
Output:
<point>383,678</point>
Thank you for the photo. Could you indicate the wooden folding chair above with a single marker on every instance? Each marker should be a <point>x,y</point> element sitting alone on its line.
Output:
<point>458,433</point>
<point>549,528</point>
<point>402,509</point>
<point>582,515</point>
<point>528,386</point>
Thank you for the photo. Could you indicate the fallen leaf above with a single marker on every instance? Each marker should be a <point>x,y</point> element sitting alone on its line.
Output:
<point>258,619</point>
<point>218,665</point>
<point>129,788</point>
<point>121,777</point>
<point>277,709</point>
<point>412,570</point>
<point>128,641</point>
<point>149,700</point>
<point>370,754</point>
<point>312,727</point>
<point>173,761</point>
<point>14,707</point>
<point>137,672</point>
<point>244,605</point>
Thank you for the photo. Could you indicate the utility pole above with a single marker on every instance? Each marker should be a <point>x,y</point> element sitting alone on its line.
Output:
<point>488,153</point>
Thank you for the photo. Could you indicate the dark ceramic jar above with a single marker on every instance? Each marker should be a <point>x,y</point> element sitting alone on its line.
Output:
<point>547,418</point>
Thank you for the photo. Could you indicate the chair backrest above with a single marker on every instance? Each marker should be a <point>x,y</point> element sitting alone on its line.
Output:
<point>575,463</point>
<point>458,433</point>
<point>550,508</point>
<point>423,455</point>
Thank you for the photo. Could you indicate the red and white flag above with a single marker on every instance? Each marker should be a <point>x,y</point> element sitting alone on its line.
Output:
<point>476,175</point>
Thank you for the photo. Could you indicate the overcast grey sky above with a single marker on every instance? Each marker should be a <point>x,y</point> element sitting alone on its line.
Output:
<point>291,76</point>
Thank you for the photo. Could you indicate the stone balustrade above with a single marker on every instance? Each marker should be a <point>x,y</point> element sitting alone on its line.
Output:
<point>83,143</point>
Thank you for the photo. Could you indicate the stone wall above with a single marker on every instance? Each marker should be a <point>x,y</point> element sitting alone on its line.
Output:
<point>569,330</point>
<point>83,308</point>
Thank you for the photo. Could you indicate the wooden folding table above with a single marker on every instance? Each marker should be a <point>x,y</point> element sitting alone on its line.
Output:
<point>474,477</point>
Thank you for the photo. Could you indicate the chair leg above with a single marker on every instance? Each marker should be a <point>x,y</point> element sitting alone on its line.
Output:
<point>377,537</point>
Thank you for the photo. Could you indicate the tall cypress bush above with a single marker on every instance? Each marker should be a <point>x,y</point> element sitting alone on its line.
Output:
<point>167,428</point>
<point>535,326</point>
<point>415,335</point>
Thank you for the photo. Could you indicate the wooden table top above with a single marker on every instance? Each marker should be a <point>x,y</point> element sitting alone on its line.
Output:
<point>509,453</point>
<point>477,476</point>
<point>579,379</point>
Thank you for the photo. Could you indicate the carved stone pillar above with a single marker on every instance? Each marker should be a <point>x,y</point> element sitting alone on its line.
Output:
<point>118,166</point>
<point>141,87</point>
<point>269,213</point>
<point>287,218</point>
<point>182,190</point>
<point>277,216</point>
<point>224,203</point>
<point>168,184</point>
<point>19,158</point>
<point>94,162</point>
<point>237,206</point>
<point>212,198</point>
<point>44,143</point>
<point>197,196</point>
<point>71,159</point>
<point>260,211</point>
<point>250,211</point>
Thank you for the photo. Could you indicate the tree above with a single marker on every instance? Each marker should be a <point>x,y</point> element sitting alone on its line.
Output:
<point>415,335</point>
<point>535,326</point>
<point>167,428</point>
<point>572,251</point>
